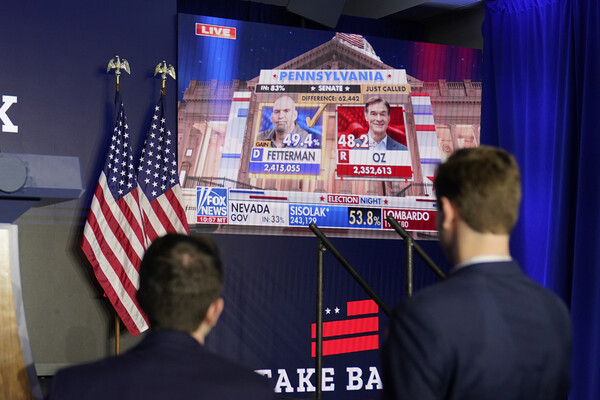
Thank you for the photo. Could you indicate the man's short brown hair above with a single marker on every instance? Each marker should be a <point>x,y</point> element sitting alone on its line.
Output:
<point>180,276</point>
<point>375,100</point>
<point>484,184</point>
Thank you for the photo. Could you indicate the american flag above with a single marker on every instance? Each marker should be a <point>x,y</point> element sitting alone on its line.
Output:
<point>113,238</point>
<point>160,194</point>
<point>359,332</point>
<point>351,38</point>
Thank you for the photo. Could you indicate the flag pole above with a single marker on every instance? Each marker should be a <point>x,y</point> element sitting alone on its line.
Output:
<point>162,69</point>
<point>118,65</point>
<point>117,334</point>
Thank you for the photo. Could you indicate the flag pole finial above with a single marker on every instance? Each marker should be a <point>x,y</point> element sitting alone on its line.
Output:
<point>162,69</point>
<point>118,65</point>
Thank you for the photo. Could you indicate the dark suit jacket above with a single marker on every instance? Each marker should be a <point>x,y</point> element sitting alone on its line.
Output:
<point>391,144</point>
<point>486,332</point>
<point>165,365</point>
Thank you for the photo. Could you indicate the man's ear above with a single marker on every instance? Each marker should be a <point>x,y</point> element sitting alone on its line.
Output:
<point>449,213</point>
<point>214,312</point>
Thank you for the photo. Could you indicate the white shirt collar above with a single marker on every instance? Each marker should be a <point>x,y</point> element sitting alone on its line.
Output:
<point>373,145</point>
<point>488,258</point>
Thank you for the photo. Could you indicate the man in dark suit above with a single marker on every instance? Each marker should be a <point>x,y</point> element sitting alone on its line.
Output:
<point>180,286</point>
<point>486,332</point>
<point>377,115</point>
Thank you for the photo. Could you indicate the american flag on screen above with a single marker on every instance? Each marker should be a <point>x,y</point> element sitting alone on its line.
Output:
<point>113,238</point>
<point>352,331</point>
<point>351,38</point>
<point>160,194</point>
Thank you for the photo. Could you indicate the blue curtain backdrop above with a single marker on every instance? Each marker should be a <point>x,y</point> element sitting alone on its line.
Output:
<point>540,101</point>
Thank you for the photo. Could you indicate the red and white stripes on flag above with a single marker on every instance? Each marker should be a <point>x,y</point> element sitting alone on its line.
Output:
<point>161,200</point>
<point>113,237</point>
<point>126,216</point>
<point>352,38</point>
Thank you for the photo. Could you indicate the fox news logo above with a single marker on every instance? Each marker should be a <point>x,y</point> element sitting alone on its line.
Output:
<point>211,205</point>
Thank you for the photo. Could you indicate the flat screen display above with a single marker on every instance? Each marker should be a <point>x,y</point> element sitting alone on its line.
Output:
<point>282,127</point>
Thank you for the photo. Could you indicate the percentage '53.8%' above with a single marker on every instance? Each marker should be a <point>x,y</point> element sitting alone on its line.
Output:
<point>364,217</point>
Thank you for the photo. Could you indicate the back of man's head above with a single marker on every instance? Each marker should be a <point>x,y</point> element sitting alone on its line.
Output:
<point>180,276</point>
<point>484,184</point>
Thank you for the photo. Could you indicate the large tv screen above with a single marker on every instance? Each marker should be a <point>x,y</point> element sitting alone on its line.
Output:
<point>282,127</point>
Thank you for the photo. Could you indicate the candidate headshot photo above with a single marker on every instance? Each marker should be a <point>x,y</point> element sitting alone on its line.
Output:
<point>285,131</point>
<point>377,115</point>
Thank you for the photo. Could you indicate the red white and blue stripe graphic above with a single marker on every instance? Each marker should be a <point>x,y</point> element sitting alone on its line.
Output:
<point>349,335</point>
<point>426,134</point>
<point>234,138</point>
